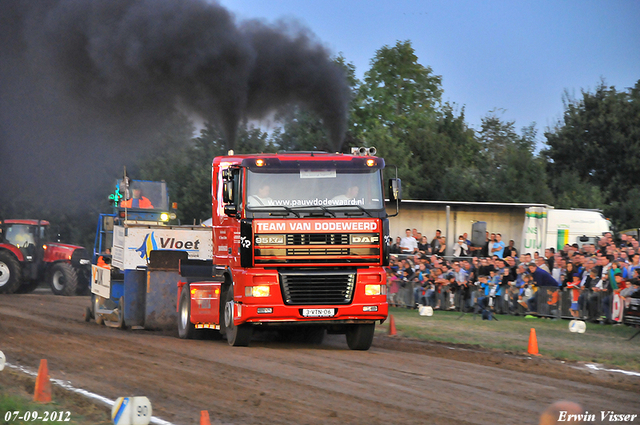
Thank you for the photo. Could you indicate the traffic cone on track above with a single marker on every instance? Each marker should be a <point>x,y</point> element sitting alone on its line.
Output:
<point>533,343</point>
<point>392,325</point>
<point>204,417</point>
<point>42,392</point>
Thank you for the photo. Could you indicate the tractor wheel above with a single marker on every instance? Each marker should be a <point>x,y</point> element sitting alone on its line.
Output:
<point>63,279</point>
<point>28,287</point>
<point>10,273</point>
<point>360,337</point>
<point>186,329</point>
<point>237,335</point>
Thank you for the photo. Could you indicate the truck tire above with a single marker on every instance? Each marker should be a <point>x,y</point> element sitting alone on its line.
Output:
<point>360,337</point>
<point>63,279</point>
<point>10,273</point>
<point>186,329</point>
<point>237,335</point>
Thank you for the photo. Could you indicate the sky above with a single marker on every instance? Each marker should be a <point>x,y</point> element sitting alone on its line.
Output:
<point>517,57</point>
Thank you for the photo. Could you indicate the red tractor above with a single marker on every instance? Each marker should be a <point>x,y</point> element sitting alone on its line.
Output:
<point>26,259</point>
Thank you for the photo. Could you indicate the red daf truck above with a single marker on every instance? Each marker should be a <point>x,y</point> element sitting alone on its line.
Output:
<point>299,241</point>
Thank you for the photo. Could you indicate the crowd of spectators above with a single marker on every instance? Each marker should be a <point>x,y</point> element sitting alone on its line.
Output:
<point>496,277</point>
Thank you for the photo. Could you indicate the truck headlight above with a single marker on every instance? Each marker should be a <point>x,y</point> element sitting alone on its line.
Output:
<point>164,217</point>
<point>257,291</point>
<point>375,289</point>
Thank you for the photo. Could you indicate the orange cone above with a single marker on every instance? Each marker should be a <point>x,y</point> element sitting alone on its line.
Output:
<point>204,417</point>
<point>533,343</point>
<point>43,385</point>
<point>392,325</point>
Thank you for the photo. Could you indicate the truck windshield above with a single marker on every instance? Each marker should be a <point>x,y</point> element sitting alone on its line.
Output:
<point>315,188</point>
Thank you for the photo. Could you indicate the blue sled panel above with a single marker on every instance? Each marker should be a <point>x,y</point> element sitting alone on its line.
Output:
<point>161,300</point>
<point>134,297</point>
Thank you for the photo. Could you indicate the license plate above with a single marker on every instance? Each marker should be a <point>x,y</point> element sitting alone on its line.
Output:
<point>318,312</point>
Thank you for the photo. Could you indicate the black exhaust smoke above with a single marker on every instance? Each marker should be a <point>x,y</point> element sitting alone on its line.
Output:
<point>149,54</point>
<point>88,72</point>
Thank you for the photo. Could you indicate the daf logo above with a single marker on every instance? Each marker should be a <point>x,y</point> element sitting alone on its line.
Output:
<point>364,239</point>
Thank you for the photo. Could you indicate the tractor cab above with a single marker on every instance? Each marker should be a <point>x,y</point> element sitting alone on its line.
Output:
<point>26,235</point>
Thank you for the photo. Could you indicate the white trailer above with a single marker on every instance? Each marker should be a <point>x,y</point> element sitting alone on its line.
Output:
<point>551,228</point>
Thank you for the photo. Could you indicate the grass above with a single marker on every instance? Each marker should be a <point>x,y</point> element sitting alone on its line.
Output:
<point>16,395</point>
<point>604,344</point>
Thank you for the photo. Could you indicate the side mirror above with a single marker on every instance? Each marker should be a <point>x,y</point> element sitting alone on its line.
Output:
<point>227,192</point>
<point>231,210</point>
<point>395,189</point>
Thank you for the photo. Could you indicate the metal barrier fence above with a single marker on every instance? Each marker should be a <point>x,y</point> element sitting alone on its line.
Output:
<point>548,302</point>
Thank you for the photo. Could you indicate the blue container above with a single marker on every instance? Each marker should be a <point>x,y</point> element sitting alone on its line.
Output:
<point>117,289</point>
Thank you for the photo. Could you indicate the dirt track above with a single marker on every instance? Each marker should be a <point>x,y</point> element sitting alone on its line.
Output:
<point>270,382</point>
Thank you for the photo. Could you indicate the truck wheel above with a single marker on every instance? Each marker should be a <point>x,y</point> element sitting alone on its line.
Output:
<point>186,329</point>
<point>237,335</point>
<point>95,305</point>
<point>360,337</point>
<point>63,279</point>
<point>10,273</point>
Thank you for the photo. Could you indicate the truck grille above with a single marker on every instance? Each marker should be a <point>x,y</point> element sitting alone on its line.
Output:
<point>318,239</point>
<point>317,288</point>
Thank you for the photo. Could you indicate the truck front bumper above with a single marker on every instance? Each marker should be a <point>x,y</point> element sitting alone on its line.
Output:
<point>335,314</point>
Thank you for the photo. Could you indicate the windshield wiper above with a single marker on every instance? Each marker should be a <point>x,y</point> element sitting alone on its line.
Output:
<point>268,207</point>
<point>325,209</point>
<point>353,206</point>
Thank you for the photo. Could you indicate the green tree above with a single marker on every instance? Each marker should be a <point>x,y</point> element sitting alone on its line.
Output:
<point>509,169</point>
<point>598,140</point>
<point>397,88</point>
<point>399,110</point>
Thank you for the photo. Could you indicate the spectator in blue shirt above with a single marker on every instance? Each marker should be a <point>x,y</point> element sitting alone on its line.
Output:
<point>541,277</point>
<point>498,246</point>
